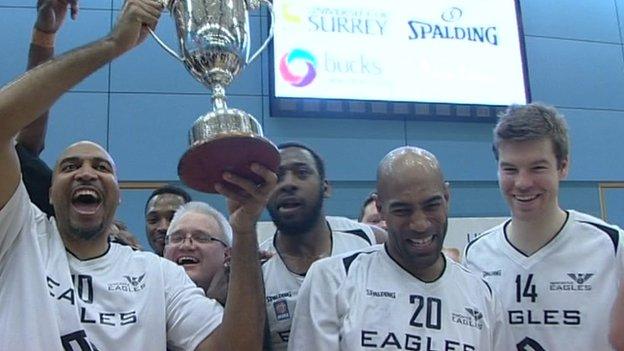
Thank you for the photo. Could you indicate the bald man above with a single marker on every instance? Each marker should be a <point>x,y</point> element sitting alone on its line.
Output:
<point>63,285</point>
<point>405,294</point>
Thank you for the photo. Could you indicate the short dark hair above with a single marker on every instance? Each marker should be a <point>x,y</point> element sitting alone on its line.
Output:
<point>320,165</point>
<point>370,198</point>
<point>533,121</point>
<point>169,189</point>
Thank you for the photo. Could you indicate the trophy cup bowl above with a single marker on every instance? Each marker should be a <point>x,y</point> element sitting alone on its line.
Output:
<point>214,45</point>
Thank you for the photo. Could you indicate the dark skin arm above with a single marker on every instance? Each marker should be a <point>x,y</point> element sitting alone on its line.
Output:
<point>242,327</point>
<point>50,17</point>
<point>26,98</point>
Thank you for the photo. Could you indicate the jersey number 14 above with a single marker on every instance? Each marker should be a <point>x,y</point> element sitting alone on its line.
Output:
<point>525,289</point>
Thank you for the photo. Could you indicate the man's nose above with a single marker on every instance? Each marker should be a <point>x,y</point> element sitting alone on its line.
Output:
<point>419,222</point>
<point>85,173</point>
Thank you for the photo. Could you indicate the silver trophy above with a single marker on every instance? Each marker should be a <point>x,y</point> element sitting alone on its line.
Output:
<point>214,45</point>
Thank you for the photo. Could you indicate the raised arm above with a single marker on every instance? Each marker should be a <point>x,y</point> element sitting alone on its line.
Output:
<point>26,98</point>
<point>50,17</point>
<point>242,327</point>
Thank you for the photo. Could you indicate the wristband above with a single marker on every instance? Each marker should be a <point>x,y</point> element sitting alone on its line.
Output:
<point>43,39</point>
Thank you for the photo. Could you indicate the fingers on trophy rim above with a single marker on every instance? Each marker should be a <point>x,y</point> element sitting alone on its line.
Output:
<point>269,176</point>
<point>245,186</point>
<point>74,8</point>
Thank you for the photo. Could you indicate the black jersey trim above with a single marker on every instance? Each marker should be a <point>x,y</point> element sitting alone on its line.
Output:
<point>482,235</point>
<point>611,232</point>
<point>91,258</point>
<point>349,259</point>
<point>410,273</point>
<point>360,233</point>
<point>545,244</point>
<point>488,286</point>
<point>473,273</point>
<point>331,249</point>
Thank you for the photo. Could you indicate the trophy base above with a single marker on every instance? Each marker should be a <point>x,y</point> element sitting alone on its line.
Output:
<point>202,165</point>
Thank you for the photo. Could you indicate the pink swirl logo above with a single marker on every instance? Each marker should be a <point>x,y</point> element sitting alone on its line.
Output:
<point>298,55</point>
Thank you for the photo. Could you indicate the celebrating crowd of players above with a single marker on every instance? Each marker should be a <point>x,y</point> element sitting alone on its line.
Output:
<point>546,279</point>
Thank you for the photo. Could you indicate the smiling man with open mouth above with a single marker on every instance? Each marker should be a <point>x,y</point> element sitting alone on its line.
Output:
<point>405,295</point>
<point>556,270</point>
<point>199,239</point>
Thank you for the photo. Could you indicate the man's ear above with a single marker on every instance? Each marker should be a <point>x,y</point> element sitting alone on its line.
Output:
<point>327,189</point>
<point>227,256</point>
<point>564,167</point>
<point>378,206</point>
<point>447,192</point>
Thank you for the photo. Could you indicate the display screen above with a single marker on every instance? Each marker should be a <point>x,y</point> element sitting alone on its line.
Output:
<point>466,52</point>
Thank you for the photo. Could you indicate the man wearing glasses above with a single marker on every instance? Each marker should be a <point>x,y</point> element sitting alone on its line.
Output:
<point>199,239</point>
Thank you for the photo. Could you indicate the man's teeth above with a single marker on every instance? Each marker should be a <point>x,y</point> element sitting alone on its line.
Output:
<point>525,197</point>
<point>423,241</point>
<point>86,192</point>
<point>186,260</point>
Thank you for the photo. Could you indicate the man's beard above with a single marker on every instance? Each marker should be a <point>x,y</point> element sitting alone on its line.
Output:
<point>86,233</point>
<point>300,226</point>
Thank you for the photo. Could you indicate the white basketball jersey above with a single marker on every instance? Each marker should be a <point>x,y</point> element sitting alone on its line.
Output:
<point>282,286</point>
<point>560,297</point>
<point>123,299</point>
<point>367,301</point>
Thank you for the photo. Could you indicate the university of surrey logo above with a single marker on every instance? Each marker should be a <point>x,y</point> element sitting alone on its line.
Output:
<point>134,284</point>
<point>580,278</point>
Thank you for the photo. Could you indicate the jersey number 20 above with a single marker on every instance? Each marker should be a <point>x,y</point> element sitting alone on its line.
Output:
<point>433,312</point>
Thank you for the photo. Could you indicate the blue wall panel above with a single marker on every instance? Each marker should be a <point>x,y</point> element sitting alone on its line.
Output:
<point>596,150</point>
<point>76,116</point>
<point>149,132</point>
<point>614,202</point>
<point>464,149</point>
<point>594,20</point>
<point>91,25</point>
<point>576,74</point>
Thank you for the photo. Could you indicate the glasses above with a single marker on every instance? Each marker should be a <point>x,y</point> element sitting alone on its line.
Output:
<point>197,237</point>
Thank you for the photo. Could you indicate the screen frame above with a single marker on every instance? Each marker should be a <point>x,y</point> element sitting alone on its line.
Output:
<point>391,110</point>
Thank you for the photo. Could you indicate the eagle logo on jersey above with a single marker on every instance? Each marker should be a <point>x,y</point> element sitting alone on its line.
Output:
<point>135,281</point>
<point>133,284</point>
<point>473,319</point>
<point>580,278</point>
<point>474,313</point>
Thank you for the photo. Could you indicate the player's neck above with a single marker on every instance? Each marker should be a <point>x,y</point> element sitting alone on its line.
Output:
<point>86,249</point>
<point>313,242</point>
<point>431,273</point>
<point>529,236</point>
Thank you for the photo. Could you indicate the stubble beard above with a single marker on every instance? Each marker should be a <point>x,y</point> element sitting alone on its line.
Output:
<point>301,226</point>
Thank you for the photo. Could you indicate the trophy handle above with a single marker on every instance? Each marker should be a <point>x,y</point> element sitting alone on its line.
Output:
<point>164,46</point>
<point>254,4</point>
